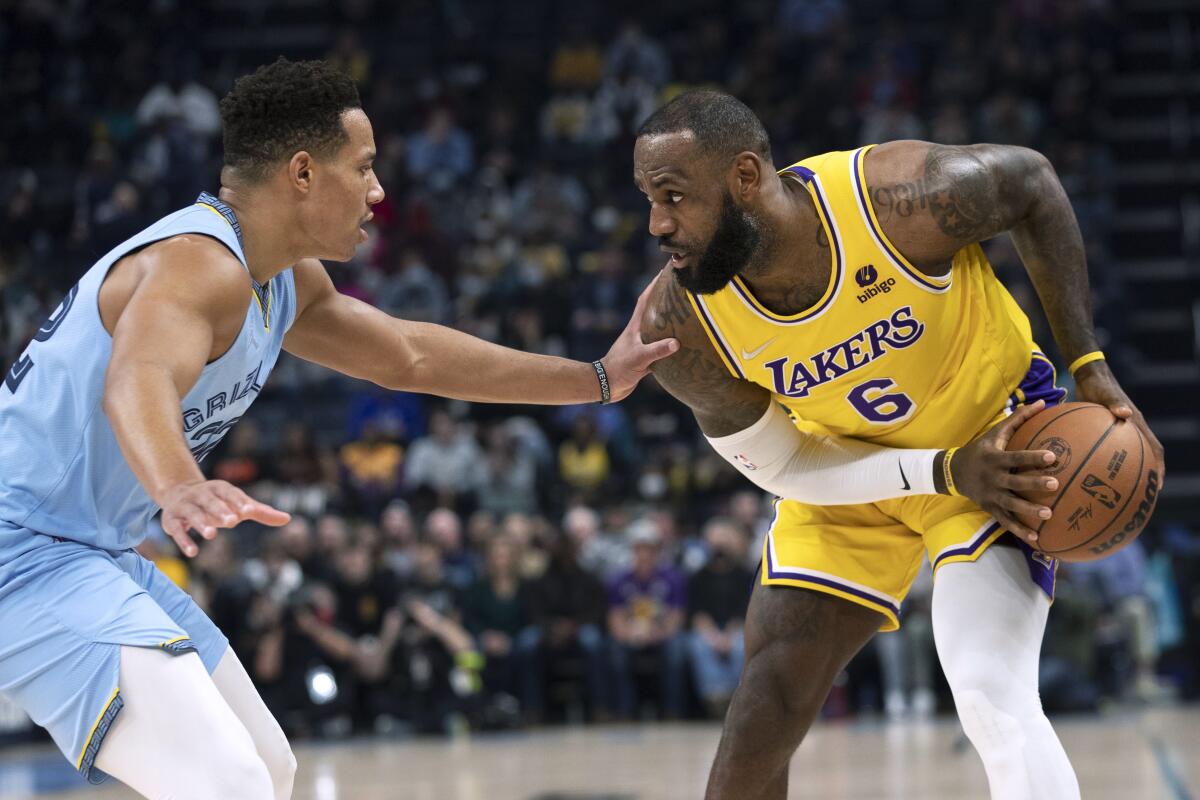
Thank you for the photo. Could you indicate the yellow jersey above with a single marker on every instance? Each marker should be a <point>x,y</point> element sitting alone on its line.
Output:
<point>888,354</point>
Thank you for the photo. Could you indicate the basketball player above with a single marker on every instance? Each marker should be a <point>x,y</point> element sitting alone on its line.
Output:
<point>850,293</point>
<point>148,361</point>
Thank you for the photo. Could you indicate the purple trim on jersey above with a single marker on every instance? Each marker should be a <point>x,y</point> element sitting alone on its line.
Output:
<point>803,173</point>
<point>882,240</point>
<point>716,335</point>
<point>1038,384</point>
<point>810,178</point>
<point>969,548</point>
<point>773,574</point>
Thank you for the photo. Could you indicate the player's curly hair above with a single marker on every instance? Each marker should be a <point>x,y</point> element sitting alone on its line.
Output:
<point>282,108</point>
<point>721,123</point>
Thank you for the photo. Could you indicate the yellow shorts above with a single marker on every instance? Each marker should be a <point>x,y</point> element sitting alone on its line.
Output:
<point>869,554</point>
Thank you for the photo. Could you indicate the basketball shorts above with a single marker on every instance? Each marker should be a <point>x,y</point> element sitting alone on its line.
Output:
<point>65,611</point>
<point>870,553</point>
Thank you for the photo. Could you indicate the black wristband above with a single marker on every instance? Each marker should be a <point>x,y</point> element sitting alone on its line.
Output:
<point>605,394</point>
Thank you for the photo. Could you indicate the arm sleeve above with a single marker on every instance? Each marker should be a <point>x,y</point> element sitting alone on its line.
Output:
<point>824,470</point>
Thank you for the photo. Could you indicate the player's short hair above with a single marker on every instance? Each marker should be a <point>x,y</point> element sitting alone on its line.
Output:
<point>722,124</point>
<point>283,108</point>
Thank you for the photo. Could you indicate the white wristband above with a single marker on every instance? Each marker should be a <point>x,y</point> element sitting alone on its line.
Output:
<point>824,470</point>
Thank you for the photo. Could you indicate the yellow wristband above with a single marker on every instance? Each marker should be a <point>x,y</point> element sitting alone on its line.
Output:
<point>946,472</point>
<point>1095,355</point>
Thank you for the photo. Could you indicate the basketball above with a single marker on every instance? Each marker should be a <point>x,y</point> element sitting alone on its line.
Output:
<point>1108,480</point>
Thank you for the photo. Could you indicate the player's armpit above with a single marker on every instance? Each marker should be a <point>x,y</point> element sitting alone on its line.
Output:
<point>932,200</point>
<point>694,375</point>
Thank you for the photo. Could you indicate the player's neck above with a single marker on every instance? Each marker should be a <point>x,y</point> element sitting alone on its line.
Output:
<point>796,254</point>
<point>264,241</point>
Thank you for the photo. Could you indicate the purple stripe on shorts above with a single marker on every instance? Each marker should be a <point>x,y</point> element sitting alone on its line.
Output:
<point>775,575</point>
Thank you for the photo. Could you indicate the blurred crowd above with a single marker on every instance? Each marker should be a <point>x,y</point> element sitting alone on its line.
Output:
<point>461,565</point>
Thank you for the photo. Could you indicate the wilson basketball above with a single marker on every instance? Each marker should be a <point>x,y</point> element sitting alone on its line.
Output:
<point>1108,480</point>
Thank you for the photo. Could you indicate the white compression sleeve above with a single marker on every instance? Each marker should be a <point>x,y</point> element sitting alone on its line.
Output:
<point>824,470</point>
<point>988,621</point>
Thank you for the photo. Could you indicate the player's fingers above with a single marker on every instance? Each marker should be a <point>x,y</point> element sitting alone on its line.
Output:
<point>1027,459</point>
<point>219,511</point>
<point>1014,525</point>
<point>1005,429</point>
<point>1023,508</point>
<point>247,507</point>
<point>261,512</point>
<point>177,528</point>
<point>1121,411</point>
<point>660,349</point>
<point>1029,482</point>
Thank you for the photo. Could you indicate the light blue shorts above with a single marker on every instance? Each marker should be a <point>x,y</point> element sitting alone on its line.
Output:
<point>65,611</point>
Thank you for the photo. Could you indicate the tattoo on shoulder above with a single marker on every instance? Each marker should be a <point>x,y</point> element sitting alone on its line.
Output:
<point>695,375</point>
<point>956,189</point>
<point>673,310</point>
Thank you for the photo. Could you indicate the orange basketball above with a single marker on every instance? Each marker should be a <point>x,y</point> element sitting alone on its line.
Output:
<point>1108,480</point>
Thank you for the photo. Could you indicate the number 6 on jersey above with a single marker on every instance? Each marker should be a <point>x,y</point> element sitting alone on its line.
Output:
<point>872,400</point>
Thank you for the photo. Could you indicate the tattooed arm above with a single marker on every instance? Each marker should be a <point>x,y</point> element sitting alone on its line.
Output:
<point>933,200</point>
<point>695,375</point>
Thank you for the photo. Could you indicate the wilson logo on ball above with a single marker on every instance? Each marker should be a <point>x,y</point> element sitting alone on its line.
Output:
<point>1139,517</point>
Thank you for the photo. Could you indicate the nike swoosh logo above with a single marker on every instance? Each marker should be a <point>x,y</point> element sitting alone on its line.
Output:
<point>746,356</point>
<point>907,487</point>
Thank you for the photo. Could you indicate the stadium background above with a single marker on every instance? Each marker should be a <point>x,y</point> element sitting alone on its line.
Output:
<point>452,564</point>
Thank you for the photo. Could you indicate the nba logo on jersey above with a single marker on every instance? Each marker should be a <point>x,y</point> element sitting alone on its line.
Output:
<point>745,462</point>
<point>866,275</point>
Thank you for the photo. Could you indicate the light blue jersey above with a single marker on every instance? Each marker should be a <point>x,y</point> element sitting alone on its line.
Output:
<point>61,470</point>
<point>73,592</point>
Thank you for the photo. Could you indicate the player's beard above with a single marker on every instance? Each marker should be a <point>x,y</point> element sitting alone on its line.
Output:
<point>733,244</point>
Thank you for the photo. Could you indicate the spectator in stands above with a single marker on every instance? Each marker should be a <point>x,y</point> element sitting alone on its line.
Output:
<point>399,539</point>
<point>583,462</point>
<point>439,657</point>
<point>1119,581</point>
<point>495,611</point>
<point>441,154</point>
<point>718,595</point>
<point>509,481</point>
<point>906,656</point>
<point>646,609</point>
<point>443,529</point>
<point>444,468</point>
<point>372,470</point>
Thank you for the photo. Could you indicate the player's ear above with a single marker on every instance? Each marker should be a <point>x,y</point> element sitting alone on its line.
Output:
<point>746,177</point>
<point>300,171</point>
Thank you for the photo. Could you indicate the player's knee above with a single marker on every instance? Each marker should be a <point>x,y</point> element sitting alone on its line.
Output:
<point>785,673</point>
<point>241,775</point>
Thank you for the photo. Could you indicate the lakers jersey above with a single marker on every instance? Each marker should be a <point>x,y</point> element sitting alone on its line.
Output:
<point>887,354</point>
<point>62,472</point>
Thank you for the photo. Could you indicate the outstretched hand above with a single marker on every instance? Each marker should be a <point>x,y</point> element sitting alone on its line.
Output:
<point>629,359</point>
<point>205,506</point>
<point>992,476</point>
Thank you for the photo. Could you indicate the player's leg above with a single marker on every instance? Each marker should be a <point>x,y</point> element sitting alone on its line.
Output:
<point>227,671</point>
<point>988,621</point>
<point>796,643</point>
<point>270,743</point>
<point>175,737</point>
